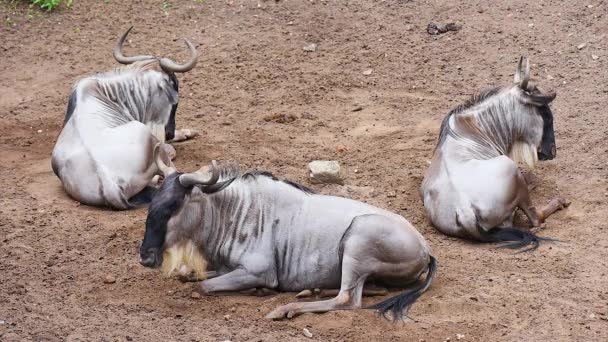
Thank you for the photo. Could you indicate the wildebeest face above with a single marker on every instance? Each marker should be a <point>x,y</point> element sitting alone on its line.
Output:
<point>164,205</point>
<point>533,96</point>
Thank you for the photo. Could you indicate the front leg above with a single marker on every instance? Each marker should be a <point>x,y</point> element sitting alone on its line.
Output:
<point>237,280</point>
<point>191,277</point>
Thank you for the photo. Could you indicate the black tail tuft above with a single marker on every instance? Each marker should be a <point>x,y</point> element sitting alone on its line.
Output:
<point>142,198</point>
<point>517,237</point>
<point>400,304</point>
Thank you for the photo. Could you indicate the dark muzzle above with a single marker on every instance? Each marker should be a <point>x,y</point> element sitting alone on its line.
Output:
<point>547,152</point>
<point>151,258</point>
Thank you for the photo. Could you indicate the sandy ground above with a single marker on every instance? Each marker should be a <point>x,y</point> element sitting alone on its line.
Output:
<point>54,254</point>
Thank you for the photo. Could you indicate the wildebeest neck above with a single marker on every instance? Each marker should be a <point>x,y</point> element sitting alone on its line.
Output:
<point>492,126</point>
<point>131,94</point>
<point>474,100</point>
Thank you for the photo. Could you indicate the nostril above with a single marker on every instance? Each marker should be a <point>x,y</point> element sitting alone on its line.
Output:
<point>145,262</point>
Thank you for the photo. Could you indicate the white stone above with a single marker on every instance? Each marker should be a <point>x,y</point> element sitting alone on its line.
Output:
<point>310,48</point>
<point>325,171</point>
<point>307,333</point>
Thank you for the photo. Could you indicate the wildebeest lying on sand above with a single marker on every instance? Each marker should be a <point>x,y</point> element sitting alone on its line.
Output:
<point>473,184</point>
<point>255,231</point>
<point>103,155</point>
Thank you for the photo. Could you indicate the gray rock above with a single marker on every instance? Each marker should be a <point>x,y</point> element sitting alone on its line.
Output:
<point>325,171</point>
<point>310,48</point>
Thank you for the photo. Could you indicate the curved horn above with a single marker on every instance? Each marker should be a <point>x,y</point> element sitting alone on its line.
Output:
<point>526,78</point>
<point>170,65</point>
<point>166,170</point>
<point>197,178</point>
<point>122,59</point>
<point>522,79</point>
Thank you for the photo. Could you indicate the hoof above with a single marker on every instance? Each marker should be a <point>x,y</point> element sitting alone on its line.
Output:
<point>282,312</point>
<point>170,151</point>
<point>190,133</point>
<point>305,294</point>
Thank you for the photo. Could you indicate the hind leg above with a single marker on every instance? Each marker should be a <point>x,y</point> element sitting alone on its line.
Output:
<point>369,290</point>
<point>537,217</point>
<point>397,253</point>
<point>554,205</point>
<point>348,298</point>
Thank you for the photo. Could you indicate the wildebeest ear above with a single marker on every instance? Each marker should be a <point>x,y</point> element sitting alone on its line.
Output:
<point>539,99</point>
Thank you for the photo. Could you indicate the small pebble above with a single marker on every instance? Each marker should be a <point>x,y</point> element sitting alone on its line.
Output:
<point>459,336</point>
<point>340,148</point>
<point>39,131</point>
<point>595,57</point>
<point>226,317</point>
<point>195,295</point>
<point>109,279</point>
<point>368,72</point>
<point>581,46</point>
<point>530,25</point>
<point>307,333</point>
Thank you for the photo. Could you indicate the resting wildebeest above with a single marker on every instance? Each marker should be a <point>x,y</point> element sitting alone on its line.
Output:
<point>103,155</point>
<point>473,185</point>
<point>255,231</point>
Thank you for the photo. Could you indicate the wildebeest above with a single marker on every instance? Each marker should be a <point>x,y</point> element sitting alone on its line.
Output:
<point>473,185</point>
<point>103,155</point>
<point>255,231</point>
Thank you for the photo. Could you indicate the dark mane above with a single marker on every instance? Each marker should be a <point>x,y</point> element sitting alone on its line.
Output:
<point>256,173</point>
<point>472,101</point>
<point>231,170</point>
<point>299,186</point>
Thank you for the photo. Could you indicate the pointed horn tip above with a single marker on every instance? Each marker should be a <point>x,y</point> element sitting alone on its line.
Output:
<point>156,147</point>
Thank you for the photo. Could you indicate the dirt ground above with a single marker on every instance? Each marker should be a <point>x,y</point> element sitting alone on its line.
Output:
<point>54,253</point>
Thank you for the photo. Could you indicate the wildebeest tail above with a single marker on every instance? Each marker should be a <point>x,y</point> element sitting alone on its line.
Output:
<point>400,304</point>
<point>517,237</point>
